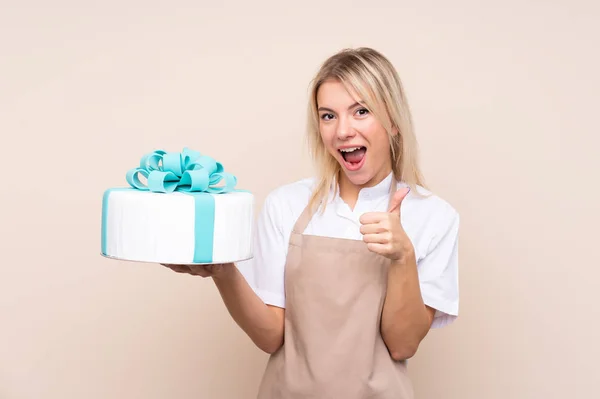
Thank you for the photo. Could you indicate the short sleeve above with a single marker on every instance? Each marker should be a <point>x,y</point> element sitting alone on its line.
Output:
<point>265,271</point>
<point>438,270</point>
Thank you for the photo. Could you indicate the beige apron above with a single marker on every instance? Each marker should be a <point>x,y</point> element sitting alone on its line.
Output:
<point>335,289</point>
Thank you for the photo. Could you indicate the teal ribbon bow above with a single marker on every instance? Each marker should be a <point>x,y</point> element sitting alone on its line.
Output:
<point>187,171</point>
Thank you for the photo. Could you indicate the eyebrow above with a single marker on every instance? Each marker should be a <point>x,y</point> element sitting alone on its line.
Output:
<point>350,107</point>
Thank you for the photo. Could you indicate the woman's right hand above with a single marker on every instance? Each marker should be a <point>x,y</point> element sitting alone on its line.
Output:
<point>214,270</point>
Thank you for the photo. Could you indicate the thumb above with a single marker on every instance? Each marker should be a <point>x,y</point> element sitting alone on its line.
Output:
<point>397,199</point>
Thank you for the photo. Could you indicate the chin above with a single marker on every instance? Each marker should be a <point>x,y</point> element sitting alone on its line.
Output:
<point>359,178</point>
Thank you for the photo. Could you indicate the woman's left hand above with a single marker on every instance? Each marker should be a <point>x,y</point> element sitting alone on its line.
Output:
<point>383,232</point>
<point>212,270</point>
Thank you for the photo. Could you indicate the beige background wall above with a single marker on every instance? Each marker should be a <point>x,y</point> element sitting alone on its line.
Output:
<point>505,98</point>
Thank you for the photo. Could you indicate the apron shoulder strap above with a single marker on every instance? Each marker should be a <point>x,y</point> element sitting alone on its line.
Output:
<point>303,220</point>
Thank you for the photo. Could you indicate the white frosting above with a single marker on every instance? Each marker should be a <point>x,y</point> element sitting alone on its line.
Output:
<point>156,227</point>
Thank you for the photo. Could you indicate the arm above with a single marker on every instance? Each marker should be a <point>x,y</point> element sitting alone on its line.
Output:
<point>261,319</point>
<point>262,323</point>
<point>406,320</point>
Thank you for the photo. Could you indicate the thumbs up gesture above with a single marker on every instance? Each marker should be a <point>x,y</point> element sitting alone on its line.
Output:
<point>383,232</point>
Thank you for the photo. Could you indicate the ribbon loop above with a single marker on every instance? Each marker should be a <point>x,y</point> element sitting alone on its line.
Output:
<point>187,171</point>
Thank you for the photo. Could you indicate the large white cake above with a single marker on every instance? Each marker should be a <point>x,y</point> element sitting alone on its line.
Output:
<point>180,216</point>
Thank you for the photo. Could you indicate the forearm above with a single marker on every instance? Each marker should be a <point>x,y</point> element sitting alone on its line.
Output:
<point>262,323</point>
<point>405,319</point>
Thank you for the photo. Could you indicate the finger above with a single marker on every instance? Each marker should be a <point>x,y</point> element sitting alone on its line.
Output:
<point>397,199</point>
<point>372,217</point>
<point>374,228</point>
<point>200,270</point>
<point>382,249</point>
<point>382,238</point>
<point>180,268</point>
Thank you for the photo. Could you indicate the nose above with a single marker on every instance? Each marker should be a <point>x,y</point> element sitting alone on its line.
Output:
<point>344,129</point>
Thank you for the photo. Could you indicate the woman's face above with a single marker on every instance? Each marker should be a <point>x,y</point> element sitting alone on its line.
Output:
<point>353,135</point>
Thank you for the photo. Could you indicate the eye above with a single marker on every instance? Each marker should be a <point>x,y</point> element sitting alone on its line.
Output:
<point>326,116</point>
<point>362,111</point>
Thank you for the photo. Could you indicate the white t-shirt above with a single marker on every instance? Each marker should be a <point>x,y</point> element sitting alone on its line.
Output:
<point>430,222</point>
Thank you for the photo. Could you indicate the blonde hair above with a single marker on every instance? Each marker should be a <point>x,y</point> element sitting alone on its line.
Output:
<point>373,77</point>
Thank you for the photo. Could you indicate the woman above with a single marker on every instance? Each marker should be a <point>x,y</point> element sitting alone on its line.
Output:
<point>351,268</point>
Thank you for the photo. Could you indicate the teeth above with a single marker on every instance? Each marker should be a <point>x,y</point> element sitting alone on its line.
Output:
<point>349,149</point>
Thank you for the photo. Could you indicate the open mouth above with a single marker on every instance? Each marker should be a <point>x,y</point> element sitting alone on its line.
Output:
<point>353,157</point>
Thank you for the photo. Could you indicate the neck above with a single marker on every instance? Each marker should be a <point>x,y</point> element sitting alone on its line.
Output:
<point>349,191</point>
